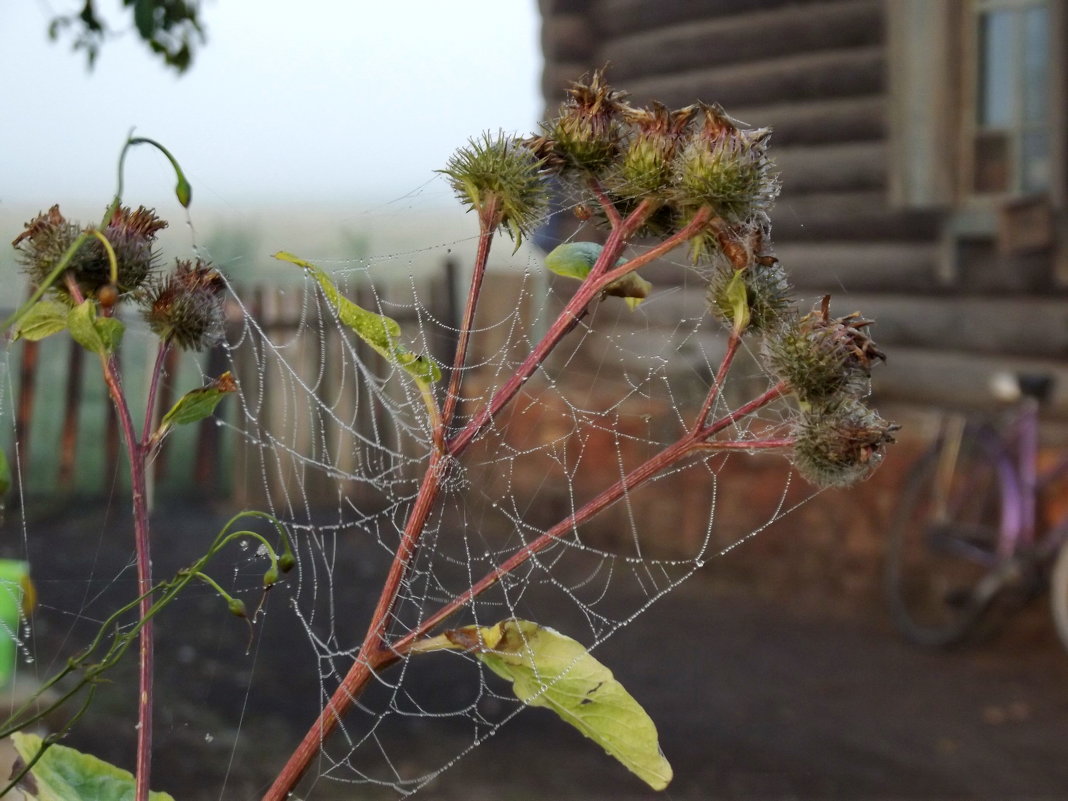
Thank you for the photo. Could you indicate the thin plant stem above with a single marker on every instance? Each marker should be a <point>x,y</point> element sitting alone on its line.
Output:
<point>566,320</point>
<point>716,390</point>
<point>487,226</point>
<point>691,442</point>
<point>143,556</point>
<point>147,431</point>
<point>375,652</point>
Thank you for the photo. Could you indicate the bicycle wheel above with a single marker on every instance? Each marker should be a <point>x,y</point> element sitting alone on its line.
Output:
<point>1058,593</point>
<point>944,545</point>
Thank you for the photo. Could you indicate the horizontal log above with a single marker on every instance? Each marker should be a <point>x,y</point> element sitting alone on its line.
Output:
<point>1027,327</point>
<point>819,122</point>
<point>955,380</point>
<point>567,38</point>
<point>849,167</point>
<point>618,17</point>
<point>821,267</point>
<point>550,8</point>
<point>719,40</point>
<point>823,75</point>
<point>848,216</point>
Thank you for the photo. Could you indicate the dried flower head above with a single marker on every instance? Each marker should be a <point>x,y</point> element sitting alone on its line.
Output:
<point>186,307</point>
<point>500,177</point>
<point>132,235</point>
<point>840,446</point>
<point>587,133</point>
<point>823,358</point>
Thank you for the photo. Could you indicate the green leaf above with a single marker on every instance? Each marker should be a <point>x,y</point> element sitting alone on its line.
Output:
<point>576,259</point>
<point>380,332</point>
<point>549,669</point>
<point>99,334</point>
<point>44,318</point>
<point>64,774</point>
<point>573,259</point>
<point>197,403</point>
<point>738,297</point>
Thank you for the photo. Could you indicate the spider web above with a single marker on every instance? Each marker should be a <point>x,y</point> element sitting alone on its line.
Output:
<point>331,439</point>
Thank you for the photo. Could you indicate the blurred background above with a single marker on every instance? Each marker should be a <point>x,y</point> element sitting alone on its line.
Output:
<point>923,148</point>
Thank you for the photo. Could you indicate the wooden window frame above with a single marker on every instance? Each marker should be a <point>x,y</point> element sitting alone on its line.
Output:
<point>932,63</point>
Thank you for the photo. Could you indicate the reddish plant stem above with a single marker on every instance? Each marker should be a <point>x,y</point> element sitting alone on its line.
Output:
<point>609,208</point>
<point>374,652</point>
<point>746,445</point>
<point>599,278</point>
<point>716,389</point>
<point>143,555</point>
<point>690,442</point>
<point>487,226</point>
<point>142,547</point>
<point>153,388</point>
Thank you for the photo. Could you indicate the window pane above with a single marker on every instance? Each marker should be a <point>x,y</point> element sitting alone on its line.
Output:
<point>996,68</point>
<point>1034,161</point>
<point>1036,63</point>
<point>992,162</point>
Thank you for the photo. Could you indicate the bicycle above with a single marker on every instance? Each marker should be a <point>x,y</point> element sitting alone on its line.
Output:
<point>966,531</point>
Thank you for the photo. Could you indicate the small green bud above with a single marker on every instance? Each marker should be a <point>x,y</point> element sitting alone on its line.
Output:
<point>237,607</point>
<point>840,446</point>
<point>286,562</point>
<point>270,578</point>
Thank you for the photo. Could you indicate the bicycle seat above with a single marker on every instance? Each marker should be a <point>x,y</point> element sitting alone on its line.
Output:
<point>1010,387</point>
<point>1035,385</point>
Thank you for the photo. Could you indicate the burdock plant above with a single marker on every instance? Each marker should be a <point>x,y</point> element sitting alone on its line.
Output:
<point>83,275</point>
<point>688,176</point>
<point>672,178</point>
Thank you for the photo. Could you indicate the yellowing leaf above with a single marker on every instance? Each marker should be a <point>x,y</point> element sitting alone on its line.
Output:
<point>64,774</point>
<point>197,403</point>
<point>549,669</point>
<point>738,298</point>
<point>44,318</point>
<point>380,332</point>
<point>576,259</point>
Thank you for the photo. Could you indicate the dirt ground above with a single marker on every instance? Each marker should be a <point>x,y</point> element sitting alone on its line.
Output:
<point>756,698</point>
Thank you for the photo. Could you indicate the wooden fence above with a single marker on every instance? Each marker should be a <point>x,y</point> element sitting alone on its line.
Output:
<point>65,436</point>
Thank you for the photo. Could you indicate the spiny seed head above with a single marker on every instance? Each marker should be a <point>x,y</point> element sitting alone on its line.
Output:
<point>767,293</point>
<point>726,167</point>
<point>647,165</point>
<point>823,358</point>
<point>186,307</point>
<point>587,133</point>
<point>42,244</point>
<point>840,446</point>
<point>500,176</point>
<point>132,235</point>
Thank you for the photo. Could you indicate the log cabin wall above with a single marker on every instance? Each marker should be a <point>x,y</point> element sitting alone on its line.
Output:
<point>871,103</point>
